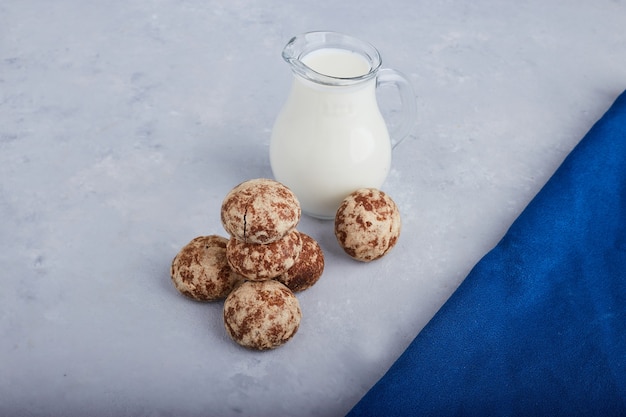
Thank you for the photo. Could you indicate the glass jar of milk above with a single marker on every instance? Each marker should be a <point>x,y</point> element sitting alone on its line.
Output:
<point>330,138</point>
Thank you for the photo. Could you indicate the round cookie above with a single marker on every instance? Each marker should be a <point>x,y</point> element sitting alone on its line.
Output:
<point>260,262</point>
<point>367,224</point>
<point>201,271</point>
<point>260,211</point>
<point>308,268</point>
<point>261,314</point>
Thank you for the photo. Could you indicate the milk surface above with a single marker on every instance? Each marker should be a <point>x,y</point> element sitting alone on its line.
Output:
<point>329,141</point>
<point>337,63</point>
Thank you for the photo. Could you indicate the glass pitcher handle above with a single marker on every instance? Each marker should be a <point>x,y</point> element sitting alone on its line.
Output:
<point>387,76</point>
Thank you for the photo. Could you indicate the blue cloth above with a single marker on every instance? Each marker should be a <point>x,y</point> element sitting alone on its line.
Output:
<point>538,327</point>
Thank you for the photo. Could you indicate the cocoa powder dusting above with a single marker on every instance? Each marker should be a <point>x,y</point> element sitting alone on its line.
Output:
<point>186,275</point>
<point>276,333</point>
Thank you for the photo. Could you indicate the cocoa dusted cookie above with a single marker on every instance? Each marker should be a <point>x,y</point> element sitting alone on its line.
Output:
<point>260,211</point>
<point>260,262</point>
<point>367,224</point>
<point>261,314</point>
<point>201,271</point>
<point>308,268</point>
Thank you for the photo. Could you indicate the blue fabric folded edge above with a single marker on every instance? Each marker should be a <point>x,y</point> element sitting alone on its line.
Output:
<point>538,327</point>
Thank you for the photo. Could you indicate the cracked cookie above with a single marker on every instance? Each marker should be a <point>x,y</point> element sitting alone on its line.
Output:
<point>260,211</point>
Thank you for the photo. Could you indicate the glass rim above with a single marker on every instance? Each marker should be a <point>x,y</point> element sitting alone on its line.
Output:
<point>301,45</point>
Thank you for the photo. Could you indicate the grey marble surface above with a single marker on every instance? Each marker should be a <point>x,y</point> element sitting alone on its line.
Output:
<point>123,124</point>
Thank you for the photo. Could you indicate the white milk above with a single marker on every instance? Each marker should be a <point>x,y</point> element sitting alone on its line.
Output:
<point>329,141</point>
<point>337,63</point>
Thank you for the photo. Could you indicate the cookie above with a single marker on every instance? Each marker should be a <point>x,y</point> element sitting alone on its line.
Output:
<point>260,262</point>
<point>261,314</point>
<point>260,211</point>
<point>200,270</point>
<point>308,268</point>
<point>367,224</point>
